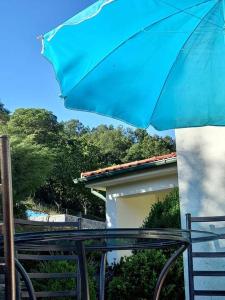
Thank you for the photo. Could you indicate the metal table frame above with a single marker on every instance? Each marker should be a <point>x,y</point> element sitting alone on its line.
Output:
<point>143,239</point>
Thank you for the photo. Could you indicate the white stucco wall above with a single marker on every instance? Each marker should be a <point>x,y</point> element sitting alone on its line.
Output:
<point>132,210</point>
<point>153,187</point>
<point>201,178</point>
<point>127,205</point>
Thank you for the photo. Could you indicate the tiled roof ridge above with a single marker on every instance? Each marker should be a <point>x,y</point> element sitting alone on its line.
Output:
<point>130,164</point>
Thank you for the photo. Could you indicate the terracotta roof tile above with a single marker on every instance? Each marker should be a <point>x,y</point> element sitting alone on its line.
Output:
<point>129,165</point>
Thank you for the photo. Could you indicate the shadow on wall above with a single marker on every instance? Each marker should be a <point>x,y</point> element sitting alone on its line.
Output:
<point>111,207</point>
<point>201,172</point>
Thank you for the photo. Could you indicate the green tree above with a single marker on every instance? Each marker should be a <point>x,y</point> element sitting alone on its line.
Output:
<point>112,143</point>
<point>39,124</point>
<point>74,128</point>
<point>4,113</point>
<point>31,166</point>
<point>70,148</point>
<point>72,154</point>
<point>137,135</point>
<point>72,157</point>
<point>148,146</point>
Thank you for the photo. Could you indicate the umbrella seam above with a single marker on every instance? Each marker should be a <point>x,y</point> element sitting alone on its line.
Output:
<point>133,36</point>
<point>173,65</point>
<point>182,10</point>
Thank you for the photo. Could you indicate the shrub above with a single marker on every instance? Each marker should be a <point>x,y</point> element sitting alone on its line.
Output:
<point>135,277</point>
<point>166,213</point>
<point>63,284</point>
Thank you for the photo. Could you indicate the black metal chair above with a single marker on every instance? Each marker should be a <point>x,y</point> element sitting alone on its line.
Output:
<point>28,256</point>
<point>204,255</point>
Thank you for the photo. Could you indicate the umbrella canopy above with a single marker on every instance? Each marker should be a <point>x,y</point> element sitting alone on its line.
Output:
<point>146,62</point>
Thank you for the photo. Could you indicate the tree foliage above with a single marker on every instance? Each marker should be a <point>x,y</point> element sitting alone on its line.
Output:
<point>48,155</point>
<point>166,213</point>
<point>135,277</point>
<point>39,124</point>
<point>112,143</point>
<point>4,113</point>
<point>148,146</point>
<point>31,166</point>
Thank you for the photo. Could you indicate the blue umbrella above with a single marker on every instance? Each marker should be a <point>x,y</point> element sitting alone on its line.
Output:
<point>146,62</point>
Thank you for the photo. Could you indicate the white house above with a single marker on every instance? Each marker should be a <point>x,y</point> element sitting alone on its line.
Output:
<point>132,188</point>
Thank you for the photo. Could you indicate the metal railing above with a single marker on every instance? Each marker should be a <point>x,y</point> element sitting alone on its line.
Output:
<point>45,254</point>
<point>192,272</point>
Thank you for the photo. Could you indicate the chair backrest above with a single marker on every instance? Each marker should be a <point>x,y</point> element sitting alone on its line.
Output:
<point>203,255</point>
<point>43,264</point>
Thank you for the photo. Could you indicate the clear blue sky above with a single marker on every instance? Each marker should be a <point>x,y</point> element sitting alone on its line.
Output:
<point>26,78</point>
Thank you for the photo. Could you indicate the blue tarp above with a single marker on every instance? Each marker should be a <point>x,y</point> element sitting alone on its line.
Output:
<point>32,213</point>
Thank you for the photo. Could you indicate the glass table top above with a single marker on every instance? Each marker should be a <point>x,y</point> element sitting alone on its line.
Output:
<point>112,239</point>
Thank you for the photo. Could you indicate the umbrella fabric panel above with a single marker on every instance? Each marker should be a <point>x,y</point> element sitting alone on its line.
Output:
<point>128,83</point>
<point>194,93</point>
<point>80,44</point>
<point>123,59</point>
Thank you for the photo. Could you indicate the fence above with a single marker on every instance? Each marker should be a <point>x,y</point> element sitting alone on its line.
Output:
<point>84,223</point>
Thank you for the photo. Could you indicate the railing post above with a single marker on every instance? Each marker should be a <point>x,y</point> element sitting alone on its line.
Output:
<point>83,271</point>
<point>8,226</point>
<point>190,261</point>
<point>102,277</point>
<point>80,223</point>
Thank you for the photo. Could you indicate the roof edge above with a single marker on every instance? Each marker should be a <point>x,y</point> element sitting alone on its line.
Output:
<point>115,173</point>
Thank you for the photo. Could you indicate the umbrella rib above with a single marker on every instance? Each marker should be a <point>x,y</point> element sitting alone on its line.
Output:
<point>173,65</point>
<point>185,10</point>
<point>133,36</point>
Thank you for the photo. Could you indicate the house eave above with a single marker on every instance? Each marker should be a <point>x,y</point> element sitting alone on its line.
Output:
<point>141,172</point>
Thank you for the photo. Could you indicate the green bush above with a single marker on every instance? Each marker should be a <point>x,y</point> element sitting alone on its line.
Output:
<point>135,277</point>
<point>63,284</point>
<point>166,213</point>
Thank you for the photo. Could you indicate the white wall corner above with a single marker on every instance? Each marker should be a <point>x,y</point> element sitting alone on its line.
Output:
<point>201,179</point>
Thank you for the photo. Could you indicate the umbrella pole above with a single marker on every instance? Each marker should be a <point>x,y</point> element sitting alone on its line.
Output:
<point>8,221</point>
